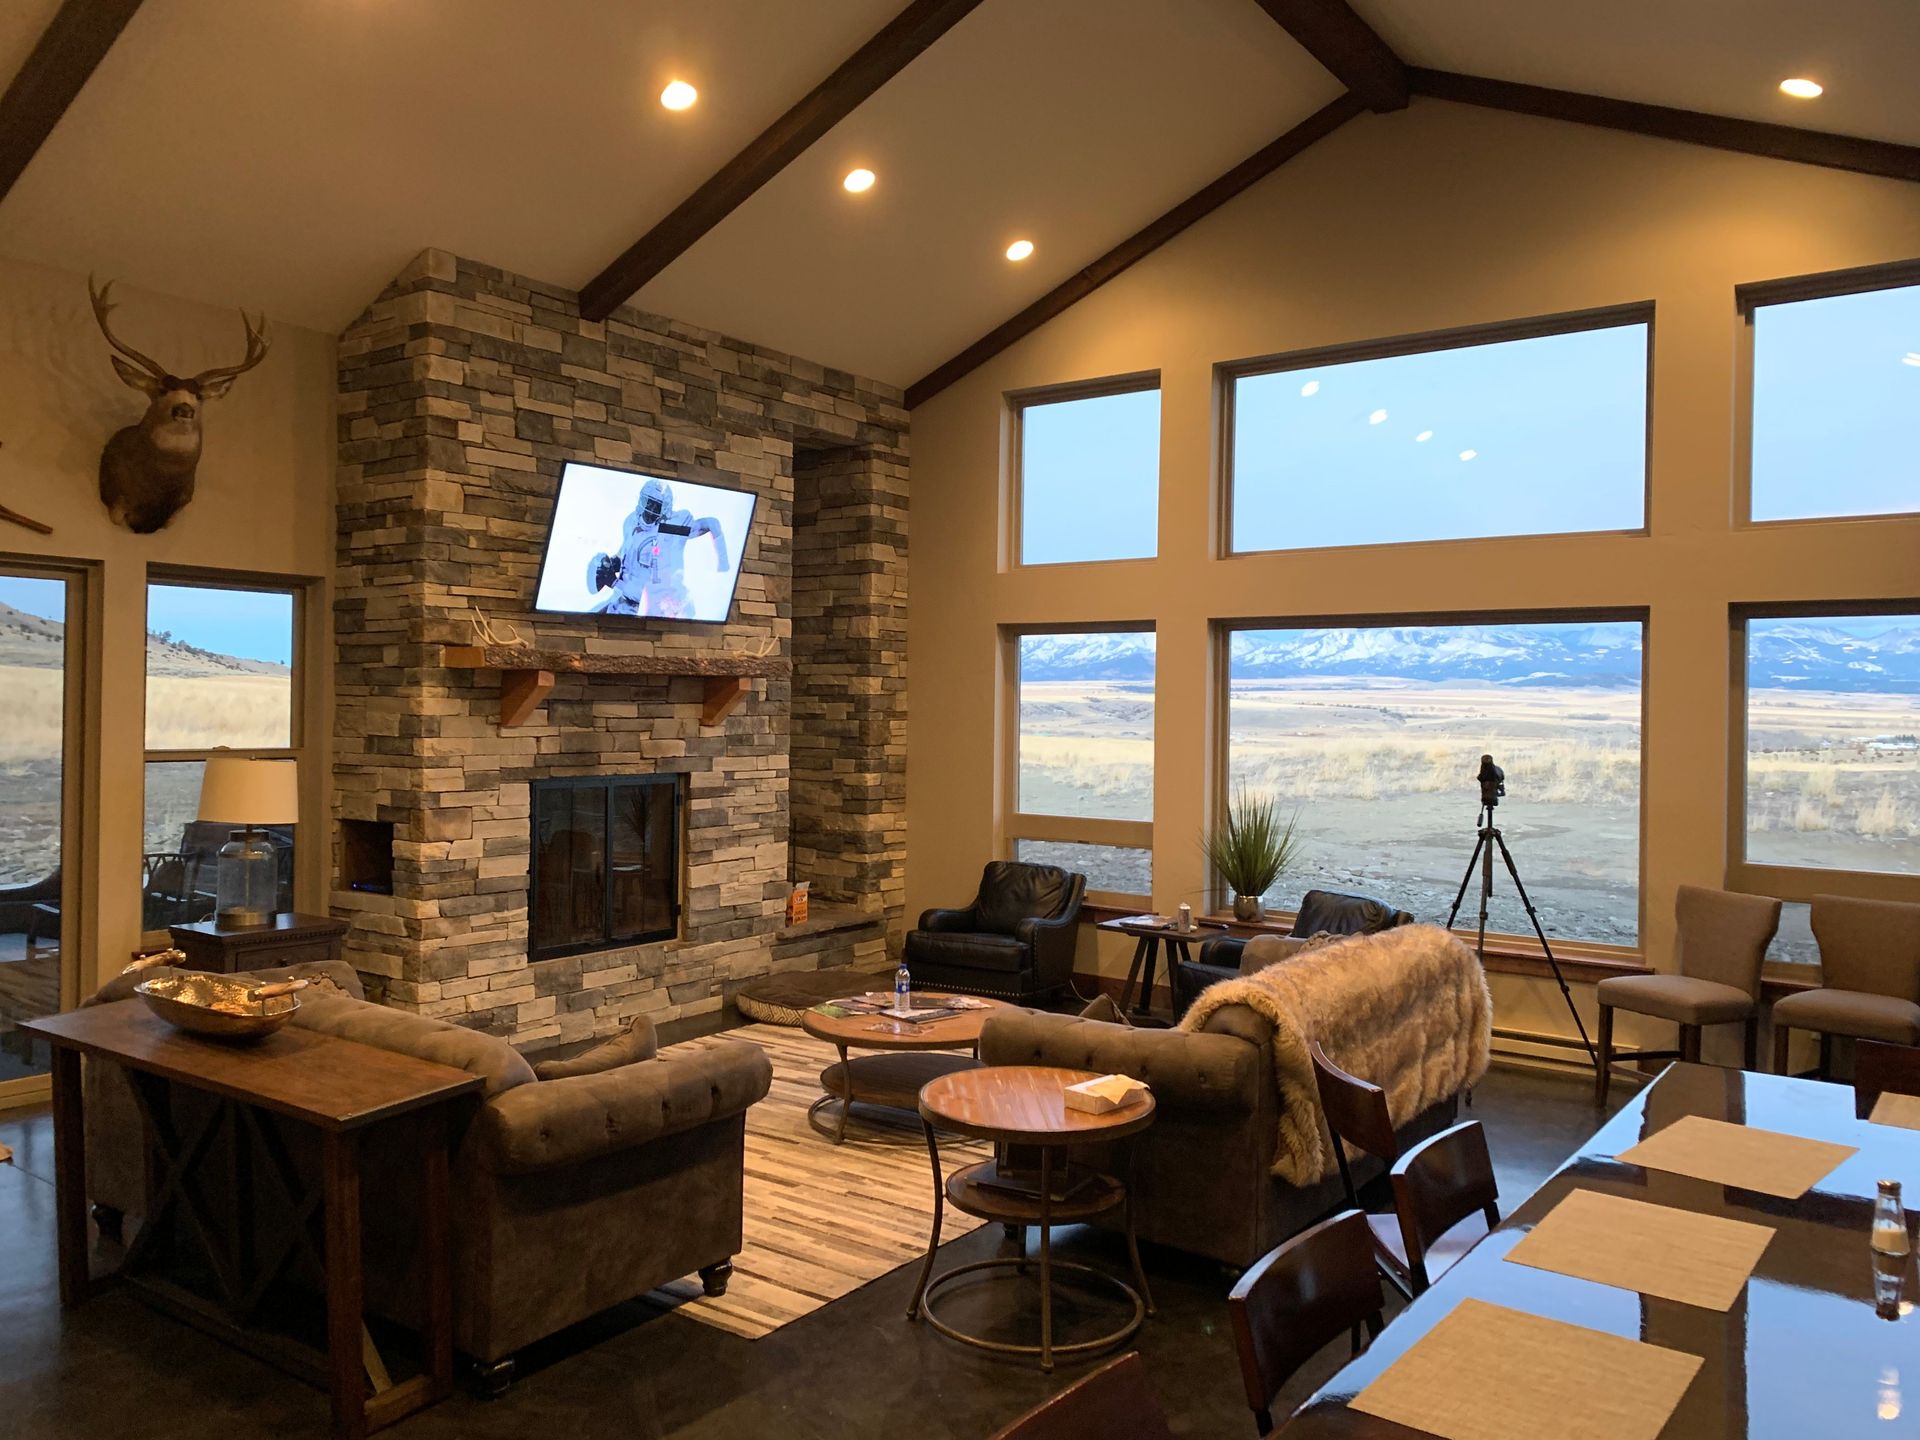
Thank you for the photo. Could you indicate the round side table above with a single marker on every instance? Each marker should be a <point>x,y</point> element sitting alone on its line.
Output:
<point>1023,1105</point>
<point>892,1079</point>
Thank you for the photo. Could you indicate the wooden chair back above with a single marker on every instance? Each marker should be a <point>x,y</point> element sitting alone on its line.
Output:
<point>1439,1183</point>
<point>1113,1400</point>
<point>1356,1112</point>
<point>1879,1067</point>
<point>1298,1298</point>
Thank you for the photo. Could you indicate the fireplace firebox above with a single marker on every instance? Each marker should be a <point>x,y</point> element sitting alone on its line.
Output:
<point>605,864</point>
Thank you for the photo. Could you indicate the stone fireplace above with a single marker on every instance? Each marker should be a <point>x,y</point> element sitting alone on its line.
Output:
<point>463,390</point>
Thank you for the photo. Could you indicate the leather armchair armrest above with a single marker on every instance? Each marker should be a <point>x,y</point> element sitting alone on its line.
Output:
<point>636,1043</point>
<point>1035,930</point>
<point>582,1117</point>
<point>959,922</point>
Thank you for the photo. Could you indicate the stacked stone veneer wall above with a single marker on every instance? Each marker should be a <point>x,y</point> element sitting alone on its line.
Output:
<point>850,677</point>
<point>463,390</point>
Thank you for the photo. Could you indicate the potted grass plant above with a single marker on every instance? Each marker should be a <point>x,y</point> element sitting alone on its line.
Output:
<point>1248,847</point>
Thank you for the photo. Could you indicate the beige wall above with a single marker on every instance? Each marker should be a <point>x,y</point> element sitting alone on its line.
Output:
<point>264,505</point>
<point>1436,217</point>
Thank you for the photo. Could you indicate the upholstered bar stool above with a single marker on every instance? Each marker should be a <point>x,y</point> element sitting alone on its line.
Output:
<point>1722,939</point>
<point>1869,978</point>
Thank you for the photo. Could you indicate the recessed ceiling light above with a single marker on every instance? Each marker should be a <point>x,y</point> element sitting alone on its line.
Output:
<point>1020,250</point>
<point>1468,454</point>
<point>858,180</point>
<point>1423,437</point>
<point>1801,89</point>
<point>1376,417</point>
<point>678,95</point>
<point>1312,387</point>
<point>1912,357</point>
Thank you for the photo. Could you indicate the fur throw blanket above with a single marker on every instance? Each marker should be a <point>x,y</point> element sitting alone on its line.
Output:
<point>1406,1008</point>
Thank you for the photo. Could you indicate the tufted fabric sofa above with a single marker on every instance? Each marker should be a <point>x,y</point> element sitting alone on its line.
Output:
<point>1201,1173</point>
<point>577,1184</point>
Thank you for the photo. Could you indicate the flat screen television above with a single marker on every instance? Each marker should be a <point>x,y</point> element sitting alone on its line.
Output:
<point>644,546</point>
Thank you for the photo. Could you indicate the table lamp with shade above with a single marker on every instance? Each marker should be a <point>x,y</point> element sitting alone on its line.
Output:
<point>250,793</point>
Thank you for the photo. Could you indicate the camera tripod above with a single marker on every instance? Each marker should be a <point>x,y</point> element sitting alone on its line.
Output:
<point>1482,857</point>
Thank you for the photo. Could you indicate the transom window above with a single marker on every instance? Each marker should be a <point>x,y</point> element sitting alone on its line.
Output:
<point>1082,770</point>
<point>1087,472</point>
<point>1373,734</point>
<point>1835,397</point>
<point>1538,429</point>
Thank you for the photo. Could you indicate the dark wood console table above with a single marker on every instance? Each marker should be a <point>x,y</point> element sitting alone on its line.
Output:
<point>287,939</point>
<point>340,1089</point>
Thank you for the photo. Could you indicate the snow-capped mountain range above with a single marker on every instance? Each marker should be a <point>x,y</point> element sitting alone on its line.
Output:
<point>1800,655</point>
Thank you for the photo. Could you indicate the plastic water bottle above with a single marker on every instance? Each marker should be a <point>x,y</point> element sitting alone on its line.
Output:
<point>903,991</point>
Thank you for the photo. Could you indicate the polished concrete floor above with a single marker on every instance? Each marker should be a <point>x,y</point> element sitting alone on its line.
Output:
<point>855,1368</point>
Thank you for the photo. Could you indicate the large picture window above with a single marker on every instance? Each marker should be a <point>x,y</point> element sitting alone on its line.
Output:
<point>1836,399</point>
<point>1082,771</point>
<point>1087,472</point>
<point>1487,434</point>
<point>220,674</point>
<point>1832,744</point>
<point>1373,735</point>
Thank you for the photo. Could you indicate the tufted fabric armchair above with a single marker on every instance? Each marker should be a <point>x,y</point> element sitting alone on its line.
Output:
<point>1015,940</point>
<point>577,1184</point>
<point>1201,1174</point>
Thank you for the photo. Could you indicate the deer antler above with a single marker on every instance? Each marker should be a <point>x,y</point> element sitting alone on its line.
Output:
<point>256,352</point>
<point>102,307</point>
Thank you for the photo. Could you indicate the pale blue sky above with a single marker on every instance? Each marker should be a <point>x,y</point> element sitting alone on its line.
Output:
<point>1522,437</point>
<point>1836,406</point>
<point>1090,479</point>
<point>253,624</point>
<point>45,598</point>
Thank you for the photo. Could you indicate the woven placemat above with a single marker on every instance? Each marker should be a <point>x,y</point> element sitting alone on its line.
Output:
<point>1679,1255</point>
<point>1489,1373</point>
<point>1739,1155</point>
<point>1893,1108</point>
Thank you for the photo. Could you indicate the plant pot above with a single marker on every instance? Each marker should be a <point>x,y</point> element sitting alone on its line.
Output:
<point>1246,908</point>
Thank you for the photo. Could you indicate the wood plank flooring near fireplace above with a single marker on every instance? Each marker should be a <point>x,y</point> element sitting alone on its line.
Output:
<point>852,1368</point>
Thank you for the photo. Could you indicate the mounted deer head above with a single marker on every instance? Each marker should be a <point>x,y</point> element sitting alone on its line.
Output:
<point>146,471</point>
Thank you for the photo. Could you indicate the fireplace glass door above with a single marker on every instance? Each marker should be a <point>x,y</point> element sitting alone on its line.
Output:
<point>605,869</point>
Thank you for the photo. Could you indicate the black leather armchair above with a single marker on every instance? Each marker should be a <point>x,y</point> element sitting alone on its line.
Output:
<point>1322,912</point>
<point>1015,940</point>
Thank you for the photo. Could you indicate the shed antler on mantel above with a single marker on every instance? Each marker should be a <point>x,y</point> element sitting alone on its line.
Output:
<point>14,517</point>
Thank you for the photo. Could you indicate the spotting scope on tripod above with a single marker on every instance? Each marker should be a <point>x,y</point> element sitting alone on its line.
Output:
<point>1493,786</point>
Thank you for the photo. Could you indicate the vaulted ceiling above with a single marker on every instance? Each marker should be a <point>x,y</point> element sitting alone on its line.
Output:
<point>292,156</point>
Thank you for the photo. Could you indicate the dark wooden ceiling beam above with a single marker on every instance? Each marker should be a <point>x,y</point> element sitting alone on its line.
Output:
<point>1138,246</point>
<point>889,52</point>
<point>73,44</point>
<point>1347,47</point>
<point>1749,137</point>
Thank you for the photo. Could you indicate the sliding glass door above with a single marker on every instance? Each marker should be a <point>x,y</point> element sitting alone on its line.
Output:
<point>39,671</point>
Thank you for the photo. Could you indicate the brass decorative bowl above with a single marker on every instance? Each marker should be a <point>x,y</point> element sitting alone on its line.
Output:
<point>219,1005</point>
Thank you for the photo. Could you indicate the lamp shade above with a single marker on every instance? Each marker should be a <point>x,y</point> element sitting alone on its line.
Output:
<point>236,790</point>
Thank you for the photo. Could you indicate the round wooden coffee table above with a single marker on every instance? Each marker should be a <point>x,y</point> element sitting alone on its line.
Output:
<point>1023,1105</point>
<point>891,1079</point>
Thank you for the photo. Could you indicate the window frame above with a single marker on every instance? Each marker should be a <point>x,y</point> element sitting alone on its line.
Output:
<point>78,763</point>
<point>1798,883</point>
<point>1015,825</point>
<point>1220,760</point>
<point>1013,496</point>
<point>1228,374</point>
<point>1757,295</point>
<point>297,749</point>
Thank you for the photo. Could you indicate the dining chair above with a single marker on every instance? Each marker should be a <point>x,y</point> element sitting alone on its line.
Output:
<point>1296,1300</point>
<point>1879,1067</point>
<point>1356,1112</point>
<point>1113,1400</point>
<point>1439,1187</point>
<point>1722,940</point>
<point>1869,978</point>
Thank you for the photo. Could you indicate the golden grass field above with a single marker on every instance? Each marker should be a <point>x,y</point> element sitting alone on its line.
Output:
<point>1382,775</point>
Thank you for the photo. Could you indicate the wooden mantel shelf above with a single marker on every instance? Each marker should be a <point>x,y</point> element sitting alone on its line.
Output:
<point>527,674</point>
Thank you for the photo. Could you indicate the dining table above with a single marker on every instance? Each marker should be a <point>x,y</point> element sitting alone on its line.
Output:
<point>1820,1341</point>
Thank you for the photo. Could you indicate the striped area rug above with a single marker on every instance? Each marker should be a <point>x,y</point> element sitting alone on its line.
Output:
<point>821,1220</point>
